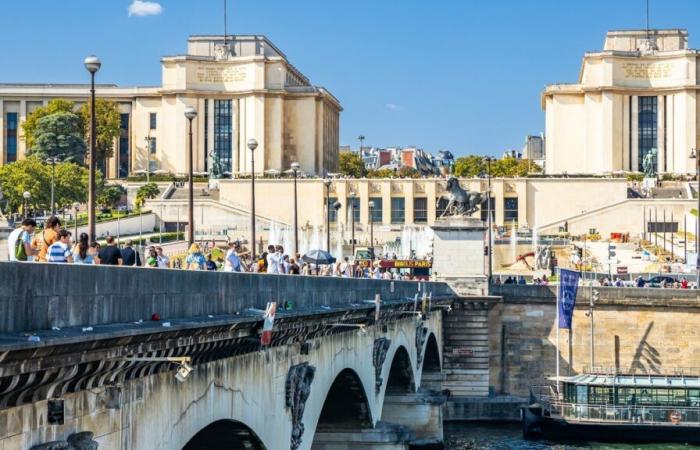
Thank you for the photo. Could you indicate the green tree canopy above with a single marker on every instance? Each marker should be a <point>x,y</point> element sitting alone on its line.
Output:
<point>145,192</point>
<point>108,122</point>
<point>58,135</point>
<point>351,165</point>
<point>33,175</point>
<point>110,195</point>
<point>474,166</point>
<point>469,166</point>
<point>381,173</point>
<point>54,106</point>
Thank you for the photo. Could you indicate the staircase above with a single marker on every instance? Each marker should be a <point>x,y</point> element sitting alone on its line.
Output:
<point>466,349</point>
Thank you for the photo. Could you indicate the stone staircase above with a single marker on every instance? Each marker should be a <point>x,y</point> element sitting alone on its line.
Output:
<point>466,350</point>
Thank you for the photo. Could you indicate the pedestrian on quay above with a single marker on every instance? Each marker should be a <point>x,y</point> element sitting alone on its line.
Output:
<point>210,264</point>
<point>80,251</point>
<point>163,260</point>
<point>46,238</point>
<point>19,242</point>
<point>94,251</point>
<point>130,257</point>
<point>232,261</point>
<point>59,251</point>
<point>110,255</point>
<point>152,259</point>
<point>272,262</point>
<point>195,259</point>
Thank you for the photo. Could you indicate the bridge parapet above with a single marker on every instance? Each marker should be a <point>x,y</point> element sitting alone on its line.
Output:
<point>42,296</point>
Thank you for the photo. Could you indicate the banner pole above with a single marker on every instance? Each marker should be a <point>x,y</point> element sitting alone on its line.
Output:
<point>556,324</point>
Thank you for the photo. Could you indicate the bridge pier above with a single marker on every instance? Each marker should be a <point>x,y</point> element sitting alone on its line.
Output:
<point>385,436</point>
<point>420,412</point>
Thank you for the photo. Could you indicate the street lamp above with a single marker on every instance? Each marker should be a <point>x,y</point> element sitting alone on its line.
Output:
<point>76,205</point>
<point>92,64</point>
<point>295,169</point>
<point>352,213</point>
<point>371,227</point>
<point>53,161</point>
<point>190,114</point>
<point>252,145</point>
<point>327,182</point>
<point>695,154</point>
<point>488,160</point>
<point>361,138</point>
<point>26,196</point>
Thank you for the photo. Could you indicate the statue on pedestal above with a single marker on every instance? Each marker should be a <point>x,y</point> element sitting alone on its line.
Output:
<point>649,164</point>
<point>461,202</point>
<point>215,169</point>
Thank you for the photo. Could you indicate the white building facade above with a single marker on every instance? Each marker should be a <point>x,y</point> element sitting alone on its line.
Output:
<point>243,87</point>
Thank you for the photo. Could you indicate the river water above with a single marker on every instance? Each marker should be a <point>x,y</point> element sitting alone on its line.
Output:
<point>508,436</point>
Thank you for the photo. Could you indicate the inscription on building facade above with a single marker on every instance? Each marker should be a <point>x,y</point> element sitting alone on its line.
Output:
<point>647,70</point>
<point>213,74</point>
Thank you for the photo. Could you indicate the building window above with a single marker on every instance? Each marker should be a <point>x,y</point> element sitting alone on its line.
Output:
<point>354,204</point>
<point>441,205</point>
<point>376,212</point>
<point>398,210</point>
<point>510,210</point>
<point>152,148</point>
<point>152,121</point>
<point>420,210</point>
<point>11,137</point>
<point>662,227</point>
<point>206,135</point>
<point>222,135</point>
<point>485,208</point>
<point>332,212</point>
<point>647,127</point>
<point>123,159</point>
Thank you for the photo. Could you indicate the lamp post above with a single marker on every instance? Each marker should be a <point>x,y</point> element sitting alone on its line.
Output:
<point>295,169</point>
<point>361,138</point>
<point>252,145</point>
<point>190,114</point>
<point>327,182</point>
<point>695,154</point>
<point>76,205</point>
<point>26,195</point>
<point>352,219</point>
<point>53,161</point>
<point>488,160</point>
<point>371,227</point>
<point>92,64</point>
<point>148,157</point>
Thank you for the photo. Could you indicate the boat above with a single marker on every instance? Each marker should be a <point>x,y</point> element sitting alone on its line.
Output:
<point>610,406</point>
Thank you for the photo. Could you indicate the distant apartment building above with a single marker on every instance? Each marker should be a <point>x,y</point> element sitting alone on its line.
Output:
<point>395,158</point>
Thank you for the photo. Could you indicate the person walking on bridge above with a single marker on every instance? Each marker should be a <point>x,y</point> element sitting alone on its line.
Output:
<point>19,242</point>
<point>47,237</point>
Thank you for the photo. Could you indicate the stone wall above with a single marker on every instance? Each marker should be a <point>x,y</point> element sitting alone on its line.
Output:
<point>635,330</point>
<point>41,296</point>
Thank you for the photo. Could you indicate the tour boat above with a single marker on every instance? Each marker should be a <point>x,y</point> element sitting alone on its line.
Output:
<point>610,406</point>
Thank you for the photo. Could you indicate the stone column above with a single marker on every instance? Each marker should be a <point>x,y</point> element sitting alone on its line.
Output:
<point>21,144</point>
<point>408,202</point>
<point>3,157</point>
<point>635,133</point>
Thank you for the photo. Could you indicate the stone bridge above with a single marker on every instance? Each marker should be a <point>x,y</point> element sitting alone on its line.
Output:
<point>83,360</point>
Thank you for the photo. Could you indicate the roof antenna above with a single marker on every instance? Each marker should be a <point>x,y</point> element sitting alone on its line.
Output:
<point>225,22</point>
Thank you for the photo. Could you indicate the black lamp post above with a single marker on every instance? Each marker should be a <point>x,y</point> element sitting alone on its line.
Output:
<point>327,182</point>
<point>361,138</point>
<point>252,145</point>
<point>488,160</point>
<point>695,154</point>
<point>352,214</point>
<point>53,160</point>
<point>295,169</point>
<point>371,227</point>
<point>190,114</point>
<point>92,64</point>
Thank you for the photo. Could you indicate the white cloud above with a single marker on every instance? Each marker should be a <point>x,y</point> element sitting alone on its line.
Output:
<point>393,107</point>
<point>141,8</point>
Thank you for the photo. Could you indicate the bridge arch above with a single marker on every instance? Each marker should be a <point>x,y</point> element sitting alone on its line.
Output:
<point>346,405</point>
<point>223,435</point>
<point>431,369</point>
<point>401,375</point>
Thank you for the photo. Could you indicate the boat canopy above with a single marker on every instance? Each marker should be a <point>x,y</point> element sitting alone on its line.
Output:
<point>641,380</point>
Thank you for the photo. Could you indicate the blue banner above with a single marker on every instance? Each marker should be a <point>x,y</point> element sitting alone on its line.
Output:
<point>566,296</point>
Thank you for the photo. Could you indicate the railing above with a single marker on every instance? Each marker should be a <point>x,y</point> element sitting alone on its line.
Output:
<point>693,372</point>
<point>627,414</point>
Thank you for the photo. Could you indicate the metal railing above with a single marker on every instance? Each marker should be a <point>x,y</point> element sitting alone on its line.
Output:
<point>691,372</point>
<point>627,414</point>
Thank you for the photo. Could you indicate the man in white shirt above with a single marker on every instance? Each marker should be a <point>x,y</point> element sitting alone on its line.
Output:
<point>23,233</point>
<point>232,262</point>
<point>162,258</point>
<point>272,260</point>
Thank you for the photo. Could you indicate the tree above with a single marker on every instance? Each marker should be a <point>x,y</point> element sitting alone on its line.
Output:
<point>145,192</point>
<point>59,135</point>
<point>54,106</point>
<point>110,196</point>
<point>381,173</point>
<point>108,123</point>
<point>408,172</point>
<point>34,176</point>
<point>512,167</point>
<point>351,165</point>
<point>470,166</point>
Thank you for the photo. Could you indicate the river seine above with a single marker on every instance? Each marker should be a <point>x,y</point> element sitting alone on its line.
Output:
<point>508,436</point>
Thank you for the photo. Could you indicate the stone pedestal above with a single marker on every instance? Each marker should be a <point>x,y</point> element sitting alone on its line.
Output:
<point>385,436</point>
<point>458,254</point>
<point>421,412</point>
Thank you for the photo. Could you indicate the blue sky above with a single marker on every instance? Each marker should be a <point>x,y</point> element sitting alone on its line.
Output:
<point>456,74</point>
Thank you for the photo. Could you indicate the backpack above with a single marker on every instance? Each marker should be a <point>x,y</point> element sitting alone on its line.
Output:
<point>20,251</point>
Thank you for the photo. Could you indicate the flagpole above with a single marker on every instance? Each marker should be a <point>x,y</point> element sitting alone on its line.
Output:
<point>556,324</point>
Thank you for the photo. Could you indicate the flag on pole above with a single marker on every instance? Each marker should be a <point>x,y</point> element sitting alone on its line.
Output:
<point>566,296</point>
<point>270,311</point>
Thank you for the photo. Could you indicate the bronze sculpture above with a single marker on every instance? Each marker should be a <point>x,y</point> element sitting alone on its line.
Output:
<point>461,202</point>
